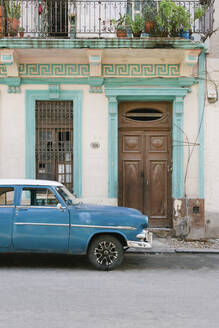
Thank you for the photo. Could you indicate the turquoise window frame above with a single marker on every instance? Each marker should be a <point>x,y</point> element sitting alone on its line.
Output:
<point>31,96</point>
<point>176,96</point>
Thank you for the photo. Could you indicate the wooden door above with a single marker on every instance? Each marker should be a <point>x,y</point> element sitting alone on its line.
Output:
<point>145,160</point>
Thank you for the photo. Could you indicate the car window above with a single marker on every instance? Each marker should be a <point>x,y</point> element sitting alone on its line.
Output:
<point>6,196</point>
<point>38,197</point>
<point>68,197</point>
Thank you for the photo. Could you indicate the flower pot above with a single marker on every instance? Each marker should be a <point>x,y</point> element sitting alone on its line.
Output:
<point>136,35</point>
<point>21,34</point>
<point>2,20</point>
<point>149,27</point>
<point>2,12</point>
<point>121,33</point>
<point>13,24</point>
<point>184,34</point>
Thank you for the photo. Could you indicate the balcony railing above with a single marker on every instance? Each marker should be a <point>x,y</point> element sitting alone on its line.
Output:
<point>86,19</point>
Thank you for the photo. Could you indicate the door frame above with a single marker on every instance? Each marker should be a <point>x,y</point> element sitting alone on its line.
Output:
<point>31,96</point>
<point>172,94</point>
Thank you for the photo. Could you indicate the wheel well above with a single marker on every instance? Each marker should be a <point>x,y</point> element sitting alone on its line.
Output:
<point>114,234</point>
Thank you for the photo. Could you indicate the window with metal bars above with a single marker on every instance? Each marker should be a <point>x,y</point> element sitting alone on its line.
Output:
<point>57,16</point>
<point>54,141</point>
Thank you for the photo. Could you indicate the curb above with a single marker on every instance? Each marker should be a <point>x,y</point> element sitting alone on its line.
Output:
<point>174,251</point>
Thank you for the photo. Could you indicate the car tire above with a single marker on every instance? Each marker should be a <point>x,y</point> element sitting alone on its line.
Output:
<point>105,252</point>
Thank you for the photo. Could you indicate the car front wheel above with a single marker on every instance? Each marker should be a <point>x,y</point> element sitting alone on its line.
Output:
<point>105,252</point>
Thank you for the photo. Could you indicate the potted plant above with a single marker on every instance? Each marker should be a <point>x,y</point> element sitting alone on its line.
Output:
<point>199,12</point>
<point>181,21</point>
<point>172,19</point>
<point>136,25</point>
<point>185,31</point>
<point>2,20</point>
<point>120,25</point>
<point>21,31</point>
<point>13,10</point>
<point>72,21</point>
<point>164,17</point>
<point>149,13</point>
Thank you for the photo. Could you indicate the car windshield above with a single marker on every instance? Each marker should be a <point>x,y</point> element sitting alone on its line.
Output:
<point>68,197</point>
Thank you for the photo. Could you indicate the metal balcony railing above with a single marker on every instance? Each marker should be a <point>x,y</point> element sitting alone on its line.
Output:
<point>86,19</point>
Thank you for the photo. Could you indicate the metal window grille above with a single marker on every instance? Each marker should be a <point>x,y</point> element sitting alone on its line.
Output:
<point>54,141</point>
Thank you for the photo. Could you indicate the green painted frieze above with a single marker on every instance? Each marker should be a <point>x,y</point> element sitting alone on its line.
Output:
<point>140,70</point>
<point>3,70</point>
<point>57,70</point>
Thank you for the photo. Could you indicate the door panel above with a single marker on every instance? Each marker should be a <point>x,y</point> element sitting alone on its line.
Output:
<point>145,159</point>
<point>132,184</point>
<point>158,189</point>
<point>158,185</point>
<point>7,210</point>
<point>130,169</point>
<point>39,224</point>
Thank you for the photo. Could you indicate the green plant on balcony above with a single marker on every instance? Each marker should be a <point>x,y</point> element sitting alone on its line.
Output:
<point>199,12</point>
<point>120,25</point>
<point>72,21</point>
<point>181,20</point>
<point>21,31</point>
<point>149,13</point>
<point>13,10</point>
<point>136,25</point>
<point>171,19</point>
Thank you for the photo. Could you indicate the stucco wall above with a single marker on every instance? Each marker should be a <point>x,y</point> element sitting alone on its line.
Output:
<point>212,135</point>
<point>214,44</point>
<point>94,129</point>
<point>212,155</point>
<point>190,150</point>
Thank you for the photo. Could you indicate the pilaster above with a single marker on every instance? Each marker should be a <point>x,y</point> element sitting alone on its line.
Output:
<point>178,148</point>
<point>113,147</point>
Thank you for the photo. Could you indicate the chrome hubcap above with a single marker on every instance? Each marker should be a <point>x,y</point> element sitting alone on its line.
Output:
<point>106,253</point>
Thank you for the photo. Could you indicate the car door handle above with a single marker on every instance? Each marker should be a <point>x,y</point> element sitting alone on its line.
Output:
<point>22,208</point>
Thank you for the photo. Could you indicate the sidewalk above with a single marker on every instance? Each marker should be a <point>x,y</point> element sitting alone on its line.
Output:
<point>175,245</point>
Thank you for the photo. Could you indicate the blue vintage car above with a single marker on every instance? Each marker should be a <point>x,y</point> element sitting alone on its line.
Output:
<point>43,216</point>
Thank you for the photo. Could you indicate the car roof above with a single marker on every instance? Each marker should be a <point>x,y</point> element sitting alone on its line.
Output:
<point>4,182</point>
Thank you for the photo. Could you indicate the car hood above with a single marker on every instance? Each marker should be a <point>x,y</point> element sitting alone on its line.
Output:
<point>107,208</point>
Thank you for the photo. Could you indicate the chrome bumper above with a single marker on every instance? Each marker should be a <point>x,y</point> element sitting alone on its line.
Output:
<point>145,240</point>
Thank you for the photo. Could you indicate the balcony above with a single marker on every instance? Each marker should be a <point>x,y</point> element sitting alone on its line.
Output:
<point>74,19</point>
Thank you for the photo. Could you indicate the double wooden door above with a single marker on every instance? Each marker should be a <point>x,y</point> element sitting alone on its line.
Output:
<point>145,160</point>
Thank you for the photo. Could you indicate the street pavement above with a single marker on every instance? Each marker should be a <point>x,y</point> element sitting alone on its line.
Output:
<point>148,290</point>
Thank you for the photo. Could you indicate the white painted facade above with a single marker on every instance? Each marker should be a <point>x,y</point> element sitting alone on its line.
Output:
<point>94,129</point>
<point>96,107</point>
<point>212,133</point>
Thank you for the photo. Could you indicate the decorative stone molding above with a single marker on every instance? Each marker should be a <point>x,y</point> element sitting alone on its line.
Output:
<point>95,65</point>
<point>13,84</point>
<point>31,96</point>
<point>176,96</point>
<point>56,70</point>
<point>141,70</point>
<point>95,84</point>
<point>6,58</point>
<point>54,91</point>
<point>3,70</point>
<point>9,63</point>
<point>190,62</point>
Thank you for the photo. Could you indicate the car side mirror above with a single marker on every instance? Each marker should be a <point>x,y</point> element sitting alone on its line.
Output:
<point>60,207</point>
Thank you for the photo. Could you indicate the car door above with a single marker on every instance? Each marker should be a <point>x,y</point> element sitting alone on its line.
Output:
<point>7,208</point>
<point>39,224</point>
